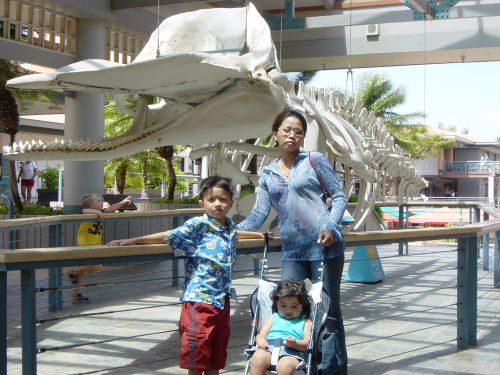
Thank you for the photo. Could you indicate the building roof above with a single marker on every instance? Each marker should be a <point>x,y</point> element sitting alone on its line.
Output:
<point>467,139</point>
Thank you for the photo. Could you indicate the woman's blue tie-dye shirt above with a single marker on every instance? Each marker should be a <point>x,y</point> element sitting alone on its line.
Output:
<point>302,212</point>
<point>210,251</point>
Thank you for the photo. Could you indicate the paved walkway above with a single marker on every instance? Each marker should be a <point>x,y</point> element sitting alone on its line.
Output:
<point>133,320</point>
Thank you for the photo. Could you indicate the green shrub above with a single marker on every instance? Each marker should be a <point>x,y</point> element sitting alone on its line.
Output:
<point>189,200</point>
<point>37,209</point>
<point>4,210</point>
<point>378,211</point>
<point>49,177</point>
<point>353,199</point>
<point>247,190</point>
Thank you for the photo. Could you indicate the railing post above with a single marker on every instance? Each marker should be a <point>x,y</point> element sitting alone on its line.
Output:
<point>175,262</point>
<point>461,294</point>
<point>3,322</point>
<point>486,247</point>
<point>28,321</point>
<point>496,260</point>
<point>467,292</point>
<point>256,266</point>
<point>55,273</point>
<point>472,252</point>
<point>401,225</point>
<point>486,252</point>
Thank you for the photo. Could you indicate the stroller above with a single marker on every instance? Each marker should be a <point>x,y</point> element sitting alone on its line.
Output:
<point>261,309</point>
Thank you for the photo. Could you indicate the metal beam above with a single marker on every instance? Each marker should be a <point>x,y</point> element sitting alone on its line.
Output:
<point>27,53</point>
<point>422,6</point>
<point>127,4</point>
<point>394,14</point>
<point>405,43</point>
<point>136,19</point>
<point>328,4</point>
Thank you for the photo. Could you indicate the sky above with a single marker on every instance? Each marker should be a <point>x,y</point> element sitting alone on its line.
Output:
<point>465,95</point>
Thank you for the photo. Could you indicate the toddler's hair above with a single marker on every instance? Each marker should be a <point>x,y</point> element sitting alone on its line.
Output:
<point>292,288</point>
<point>89,199</point>
<point>219,181</point>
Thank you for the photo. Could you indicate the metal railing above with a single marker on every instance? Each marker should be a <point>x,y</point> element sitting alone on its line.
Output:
<point>467,167</point>
<point>28,260</point>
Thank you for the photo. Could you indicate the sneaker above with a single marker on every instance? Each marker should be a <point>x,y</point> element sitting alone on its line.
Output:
<point>79,298</point>
<point>73,277</point>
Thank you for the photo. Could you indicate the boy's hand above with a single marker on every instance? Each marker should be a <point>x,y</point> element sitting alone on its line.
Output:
<point>125,242</point>
<point>126,200</point>
<point>100,214</point>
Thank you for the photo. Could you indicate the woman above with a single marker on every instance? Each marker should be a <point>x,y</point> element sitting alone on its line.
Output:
<point>309,232</point>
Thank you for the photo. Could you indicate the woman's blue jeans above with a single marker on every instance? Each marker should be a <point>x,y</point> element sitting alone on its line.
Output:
<point>301,270</point>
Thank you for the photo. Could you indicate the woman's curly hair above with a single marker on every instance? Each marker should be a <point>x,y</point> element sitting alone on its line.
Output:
<point>292,288</point>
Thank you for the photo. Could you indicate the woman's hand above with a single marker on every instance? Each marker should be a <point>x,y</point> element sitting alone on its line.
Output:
<point>325,237</point>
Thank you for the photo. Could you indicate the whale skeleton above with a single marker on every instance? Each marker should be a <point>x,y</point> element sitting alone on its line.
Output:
<point>217,75</point>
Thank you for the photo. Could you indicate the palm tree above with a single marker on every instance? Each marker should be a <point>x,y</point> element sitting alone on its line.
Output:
<point>116,123</point>
<point>378,94</point>
<point>147,163</point>
<point>305,76</point>
<point>9,113</point>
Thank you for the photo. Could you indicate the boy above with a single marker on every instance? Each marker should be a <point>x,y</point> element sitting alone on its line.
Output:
<point>90,233</point>
<point>209,245</point>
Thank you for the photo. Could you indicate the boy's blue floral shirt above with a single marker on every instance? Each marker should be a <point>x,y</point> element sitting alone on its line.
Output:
<point>301,210</point>
<point>210,251</point>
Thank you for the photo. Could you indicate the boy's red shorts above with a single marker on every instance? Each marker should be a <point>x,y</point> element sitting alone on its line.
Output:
<point>204,331</point>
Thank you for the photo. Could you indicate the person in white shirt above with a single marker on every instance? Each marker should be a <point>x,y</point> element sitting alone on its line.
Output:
<point>27,173</point>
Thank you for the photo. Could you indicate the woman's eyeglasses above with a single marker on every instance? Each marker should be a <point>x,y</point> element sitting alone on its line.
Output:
<point>288,131</point>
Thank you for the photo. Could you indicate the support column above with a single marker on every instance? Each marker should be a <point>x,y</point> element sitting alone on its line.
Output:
<point>84,119</point>
<point>491,189</point>
<point>3,322</point>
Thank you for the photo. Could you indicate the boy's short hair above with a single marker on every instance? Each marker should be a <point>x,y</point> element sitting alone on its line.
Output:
<point>292,288</point>
<point>219,181</point>
<point>89,199</point>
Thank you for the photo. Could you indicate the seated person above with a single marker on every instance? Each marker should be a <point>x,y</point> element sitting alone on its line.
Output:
<point>287,332</point>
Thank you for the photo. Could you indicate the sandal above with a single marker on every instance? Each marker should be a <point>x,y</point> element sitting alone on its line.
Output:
<point>73,277</point>
<point>79,298</point>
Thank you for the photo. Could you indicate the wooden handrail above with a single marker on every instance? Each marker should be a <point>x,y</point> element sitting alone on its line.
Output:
<point>352,239</point>
<point>12,223</point>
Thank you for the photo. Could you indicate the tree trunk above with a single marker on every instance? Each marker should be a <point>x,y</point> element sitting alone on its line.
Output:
<point>172,180</point>
<point>167,153</point>
<point>121,175</point>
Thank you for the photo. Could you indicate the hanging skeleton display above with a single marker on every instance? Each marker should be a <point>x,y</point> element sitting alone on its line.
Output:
<point>219,82</point>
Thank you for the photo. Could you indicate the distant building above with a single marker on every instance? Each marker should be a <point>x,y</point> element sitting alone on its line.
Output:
<point>462,170</point>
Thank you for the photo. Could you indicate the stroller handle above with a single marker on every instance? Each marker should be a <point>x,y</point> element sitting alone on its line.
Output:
<point>263,261</point>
